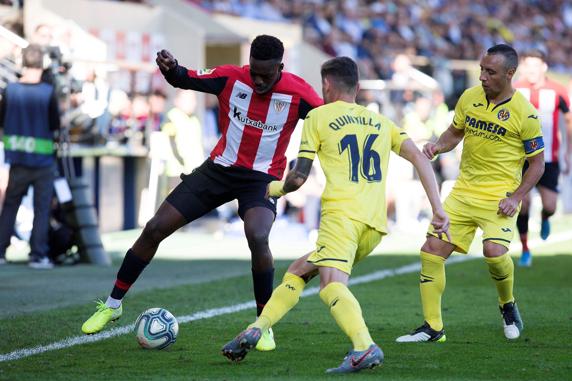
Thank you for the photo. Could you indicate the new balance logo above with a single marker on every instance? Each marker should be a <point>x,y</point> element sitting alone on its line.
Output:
<point>477,104</point>
<point>506,230</point>
<point>241,95</point>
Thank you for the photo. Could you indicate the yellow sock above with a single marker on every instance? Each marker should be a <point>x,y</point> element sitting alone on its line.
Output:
<point>346,310</point>
<point>502,271</point>
<point>432,286</point>
<point>283,299</point>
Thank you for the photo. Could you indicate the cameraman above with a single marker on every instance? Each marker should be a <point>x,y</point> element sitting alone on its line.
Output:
<point>56,67</point>
<point>29,114</point>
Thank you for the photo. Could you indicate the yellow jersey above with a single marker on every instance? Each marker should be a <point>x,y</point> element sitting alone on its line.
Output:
<point>498,137</point>
<point>353,145</point>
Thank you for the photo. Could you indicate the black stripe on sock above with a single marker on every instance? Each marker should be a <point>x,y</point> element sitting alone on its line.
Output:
<point>263,284</point>
<point>128,273</point>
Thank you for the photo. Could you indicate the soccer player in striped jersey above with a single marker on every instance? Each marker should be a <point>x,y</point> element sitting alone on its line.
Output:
<point>551,100</point>
<point>501,130</point>
<point>353,145</point>
<point>260,105</point>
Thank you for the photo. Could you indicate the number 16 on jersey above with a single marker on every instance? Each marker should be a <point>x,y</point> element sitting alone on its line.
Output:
<point>365,164</point>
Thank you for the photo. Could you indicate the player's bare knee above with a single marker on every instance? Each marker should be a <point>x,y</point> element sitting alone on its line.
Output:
<point>492,249</point>
<point>302,268</point>
<point>548,210</point>
<point>257,239</point>
<point>153,231</point>
<point>294,268</point>
<point>437,247</point>
<point>430,247</point>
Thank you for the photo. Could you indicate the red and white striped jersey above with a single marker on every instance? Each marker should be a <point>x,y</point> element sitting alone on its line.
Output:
<point>549,100</point>
<point>255,128</point>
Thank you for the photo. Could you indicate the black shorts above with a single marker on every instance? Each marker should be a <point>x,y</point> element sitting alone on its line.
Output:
<point>211,185</point>
<point>550,177</point>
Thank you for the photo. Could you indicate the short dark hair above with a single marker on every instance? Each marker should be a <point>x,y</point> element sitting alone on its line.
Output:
<point>343,71</point>
<point>33,56</point>
<point>265,47</point>
<point>508,52</point>
<point>534,53</point>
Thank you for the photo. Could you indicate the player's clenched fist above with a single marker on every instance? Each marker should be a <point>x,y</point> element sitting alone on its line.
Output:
<point>430,150</point>
<point>508,206</point>
<point>165,60</point>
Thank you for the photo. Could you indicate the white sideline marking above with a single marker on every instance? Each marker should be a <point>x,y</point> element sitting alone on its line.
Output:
<point>207,314</point>
<point>214,312</point>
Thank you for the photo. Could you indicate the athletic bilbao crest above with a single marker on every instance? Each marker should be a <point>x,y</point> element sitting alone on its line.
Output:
<point>503,114</point>
<point>279,105</point>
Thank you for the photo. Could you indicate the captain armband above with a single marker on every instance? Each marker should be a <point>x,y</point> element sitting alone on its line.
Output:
<point>533,145</point>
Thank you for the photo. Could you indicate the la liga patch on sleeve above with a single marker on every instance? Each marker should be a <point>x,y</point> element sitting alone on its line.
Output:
<point>205,71</point>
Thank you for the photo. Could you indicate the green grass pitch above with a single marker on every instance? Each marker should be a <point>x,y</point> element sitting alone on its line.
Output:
<point>308,339</point>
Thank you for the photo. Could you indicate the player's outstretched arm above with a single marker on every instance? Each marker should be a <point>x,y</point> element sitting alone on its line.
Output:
<point>446,142</point>
<point>411,153</point>
<point>206,81</point>
<point>509,206</point>
<point>294,179</point>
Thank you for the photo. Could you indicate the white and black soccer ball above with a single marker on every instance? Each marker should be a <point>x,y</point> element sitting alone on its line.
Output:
<point>156,328</point>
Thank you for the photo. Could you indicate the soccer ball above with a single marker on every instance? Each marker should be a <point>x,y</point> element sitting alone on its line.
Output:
<point>156,328</point>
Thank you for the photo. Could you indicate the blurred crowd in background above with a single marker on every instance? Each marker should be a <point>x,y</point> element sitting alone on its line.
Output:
<point>411,44</point>
<point>373,31</point>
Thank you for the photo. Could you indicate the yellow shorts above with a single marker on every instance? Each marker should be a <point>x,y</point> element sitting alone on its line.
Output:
<point>342,242</point>
<point>466,214</point>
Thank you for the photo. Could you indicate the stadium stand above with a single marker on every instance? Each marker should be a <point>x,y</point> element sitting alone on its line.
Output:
<point>439,28</point>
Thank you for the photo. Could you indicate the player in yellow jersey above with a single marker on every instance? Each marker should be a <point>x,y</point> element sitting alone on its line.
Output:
<point>353,145</point>
<point>501,129</point>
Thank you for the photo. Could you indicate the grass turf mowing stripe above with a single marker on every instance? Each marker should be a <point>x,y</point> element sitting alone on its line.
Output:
<point>207,314</point>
